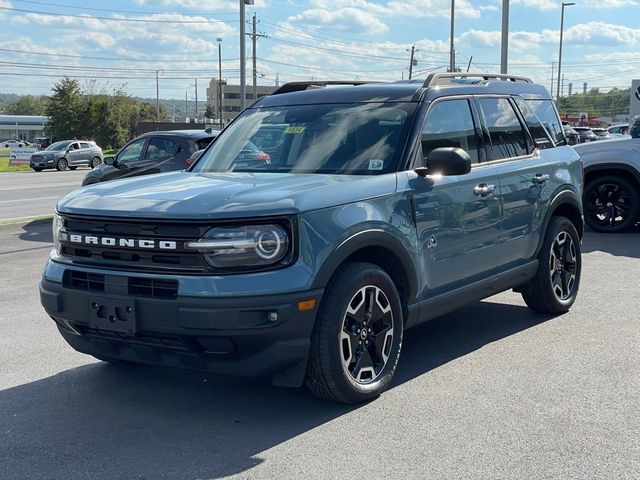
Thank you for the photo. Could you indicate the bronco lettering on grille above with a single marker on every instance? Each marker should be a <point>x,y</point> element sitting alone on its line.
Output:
<point>122,242</point>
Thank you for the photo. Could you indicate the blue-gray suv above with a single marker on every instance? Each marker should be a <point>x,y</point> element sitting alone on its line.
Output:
<point>377,207</point>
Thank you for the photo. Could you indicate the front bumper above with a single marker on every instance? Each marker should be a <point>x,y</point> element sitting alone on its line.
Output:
<point>231,335</point>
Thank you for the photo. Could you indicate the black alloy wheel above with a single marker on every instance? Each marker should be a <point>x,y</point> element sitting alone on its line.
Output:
<point>62,164</point>
<point>611,204</point>
<point>563,265</point>
<point>367,334</point>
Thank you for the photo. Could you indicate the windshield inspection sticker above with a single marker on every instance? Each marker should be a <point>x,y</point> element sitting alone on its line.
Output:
<point>294,130</point>
<point>376,164</point>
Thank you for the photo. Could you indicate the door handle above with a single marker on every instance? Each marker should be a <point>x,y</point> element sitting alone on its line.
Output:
<point>483,189</point>
<point>539,179</point>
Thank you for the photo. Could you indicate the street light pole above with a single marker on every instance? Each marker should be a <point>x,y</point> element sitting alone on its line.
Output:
<point>558,92</point>
<point>504,51</point>
<point>452,51</point>
<point>243,73</point>
<point>219,40</point>
<point>157,98</point>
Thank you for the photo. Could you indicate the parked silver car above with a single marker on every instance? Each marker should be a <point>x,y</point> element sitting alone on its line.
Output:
<point>67,154</point>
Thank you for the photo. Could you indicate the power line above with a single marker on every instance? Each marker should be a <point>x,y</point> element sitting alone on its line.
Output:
<point>116,19</point>
<point>78,7</point>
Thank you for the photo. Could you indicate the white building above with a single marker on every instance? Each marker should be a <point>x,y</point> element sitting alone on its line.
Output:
<point>22,127</point>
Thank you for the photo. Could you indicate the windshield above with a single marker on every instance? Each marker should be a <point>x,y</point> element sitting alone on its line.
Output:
<point>58,146</point>
<point>353,139</point>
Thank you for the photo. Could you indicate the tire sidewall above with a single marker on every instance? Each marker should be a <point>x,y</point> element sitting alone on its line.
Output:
<point>64,162</point>
<point>335,313</point>
<point>561,224</point>
<point>95,161</point>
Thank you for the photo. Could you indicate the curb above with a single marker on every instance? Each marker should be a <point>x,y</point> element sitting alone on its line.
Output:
<point>24,220</point>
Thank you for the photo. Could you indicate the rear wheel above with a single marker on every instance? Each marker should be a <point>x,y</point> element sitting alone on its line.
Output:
<point>95,161</point>
<point>358,336</point>
<point>62,164</point>
<point>555,286</point>
<point>611,204</point>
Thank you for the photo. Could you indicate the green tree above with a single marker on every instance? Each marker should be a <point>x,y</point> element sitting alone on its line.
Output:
<point>27,105</point>
<point>64,110</point>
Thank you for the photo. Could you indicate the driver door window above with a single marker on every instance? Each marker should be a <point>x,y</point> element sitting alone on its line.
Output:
<point>131,153</point>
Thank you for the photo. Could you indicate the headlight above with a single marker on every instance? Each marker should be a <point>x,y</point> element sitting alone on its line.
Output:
<point>246,246</point>
<point>57,225</point>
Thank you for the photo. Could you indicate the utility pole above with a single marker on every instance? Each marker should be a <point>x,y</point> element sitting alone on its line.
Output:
<point>186,108</point>
<point>254,35</point>
<point>553,66</point>
<point>452,50</point>
<point>157,98</point>
<point>413,49</point>
<point>195,83</point>
<point>219,40</point>
<point>567,4</point>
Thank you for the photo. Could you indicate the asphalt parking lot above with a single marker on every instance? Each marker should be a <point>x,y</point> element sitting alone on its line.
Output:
<point>29,193</point>
<point>492,391</point>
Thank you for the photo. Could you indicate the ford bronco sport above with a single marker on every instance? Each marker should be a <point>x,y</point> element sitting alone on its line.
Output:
<point>382,206</point>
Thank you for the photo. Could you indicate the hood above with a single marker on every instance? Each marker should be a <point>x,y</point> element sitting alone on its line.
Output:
<point>182,195</point>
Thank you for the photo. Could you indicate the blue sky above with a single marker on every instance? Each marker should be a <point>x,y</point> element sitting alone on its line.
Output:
<point>124,42</point>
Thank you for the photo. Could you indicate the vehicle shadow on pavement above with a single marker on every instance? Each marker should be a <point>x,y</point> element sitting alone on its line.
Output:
<point>618,244</point>
<point>37,231</point>
<point>105,421</point>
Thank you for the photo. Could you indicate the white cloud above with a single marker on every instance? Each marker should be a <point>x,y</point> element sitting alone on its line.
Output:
<point>601,34</point>
<point>598,4</point>
<point>348,19</point>
<point>406,8</point>
<point>200,5</point>
<point>94,39</point>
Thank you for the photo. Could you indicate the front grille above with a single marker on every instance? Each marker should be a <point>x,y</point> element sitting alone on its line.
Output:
<point>135,257</point>
<point>135,286</point>
<point>91,282</point>
<point>153,287</point>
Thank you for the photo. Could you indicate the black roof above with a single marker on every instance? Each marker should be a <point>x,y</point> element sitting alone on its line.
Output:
<point>301,93</point>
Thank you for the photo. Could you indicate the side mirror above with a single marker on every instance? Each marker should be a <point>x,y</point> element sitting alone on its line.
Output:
<point>446,161</point>
<point>109,160</point>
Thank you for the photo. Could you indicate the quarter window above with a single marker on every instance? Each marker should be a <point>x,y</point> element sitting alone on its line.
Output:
<point>546,111</point>
<point>505,130</point>
<point>541,135</point>
<point>449,123</point>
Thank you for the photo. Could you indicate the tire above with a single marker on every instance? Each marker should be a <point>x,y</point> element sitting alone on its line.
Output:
<point>555,286</point>
<point>62,164</point>
<point>95,161</point>
<point>334,371</point>
<point>37,169</point>
<point>611,204</point>
<point>72,168</point>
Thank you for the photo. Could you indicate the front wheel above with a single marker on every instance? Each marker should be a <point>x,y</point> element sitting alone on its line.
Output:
<point>62,164</point>
<point>95,161</point>
<point>611,204</point>
<point>555,286</point>
<point>357,338</point>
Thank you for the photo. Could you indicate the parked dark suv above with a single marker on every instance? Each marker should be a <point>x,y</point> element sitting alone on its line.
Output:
<point>152,152</point>
<point>382,206</point>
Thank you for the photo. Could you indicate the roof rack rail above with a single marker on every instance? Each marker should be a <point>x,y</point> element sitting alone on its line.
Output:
<point>435,79</point>
<point>300,86</point>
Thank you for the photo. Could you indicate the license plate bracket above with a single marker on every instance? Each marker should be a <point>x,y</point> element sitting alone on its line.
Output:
<point>113,314</point>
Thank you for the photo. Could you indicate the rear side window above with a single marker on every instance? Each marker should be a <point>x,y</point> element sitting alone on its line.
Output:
<point>84,145</point>
<point>449,123</point>
<point>161,148</point>
<point>505,130</point>
<point>540,134</point>
<point>204,143</point>
<point>546,111</point>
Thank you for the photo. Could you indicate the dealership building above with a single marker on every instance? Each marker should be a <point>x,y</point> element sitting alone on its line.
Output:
<point>22,127</point>
<point>230,98</point>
